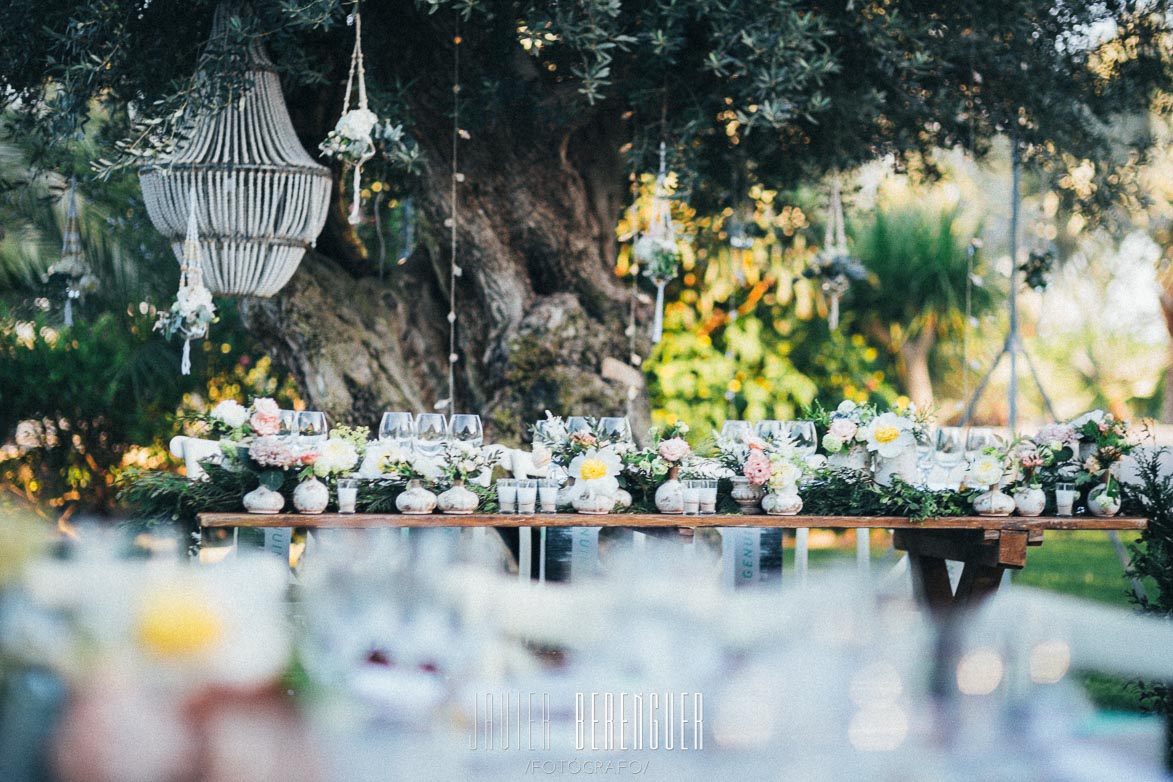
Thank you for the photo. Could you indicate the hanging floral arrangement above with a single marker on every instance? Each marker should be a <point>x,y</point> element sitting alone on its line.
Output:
<point>1036,269</point>
<point>834,268</point>
<point>193,311</point>
<point>351,141</point>
<point>71,272</point>
<point>657,250</point>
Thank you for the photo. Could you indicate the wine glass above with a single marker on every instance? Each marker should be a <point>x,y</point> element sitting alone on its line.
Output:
<point>981,437</point>
<point>577,423</point>
<point>804,436</point>
<point>735,430</point>
<point>287,428</point>
<point>617,429</point>
<point>431,431</point>
<point>398,428</point>
<point>771,430</point>
<point>467,428</point>
<point>949,445</point>
<point>311,427</point>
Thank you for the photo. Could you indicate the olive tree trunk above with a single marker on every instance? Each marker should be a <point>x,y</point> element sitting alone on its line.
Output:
<point>538,306</point>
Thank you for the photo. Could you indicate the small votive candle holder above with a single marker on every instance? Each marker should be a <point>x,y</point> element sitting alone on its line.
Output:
<point>692,497</point>
<point>347,495</point>
<point>507,495</point>
<point>1065,499</point>
<point>548,495</point>
<point>708,497</point>
<point>527,496</point>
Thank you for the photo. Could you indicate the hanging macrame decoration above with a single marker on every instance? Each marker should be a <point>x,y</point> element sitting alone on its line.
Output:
<point>263,200</point>
<point>193,310</point>
<point>71,269</point>
<point>351,141</point>
<point>834,268</point>
<point>657,250</point>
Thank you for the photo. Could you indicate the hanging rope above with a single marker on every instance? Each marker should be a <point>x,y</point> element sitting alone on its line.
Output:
<point>835,241</point>
<point>358,74</point>
<point>72,262</point>
<point>657,249</point>
<point>454,270</point>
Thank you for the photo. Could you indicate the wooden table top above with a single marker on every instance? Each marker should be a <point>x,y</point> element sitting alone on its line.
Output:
<point>372,520</point>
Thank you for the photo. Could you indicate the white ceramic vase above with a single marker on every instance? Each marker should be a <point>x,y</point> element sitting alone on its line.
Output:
<point>593,503</point>
<point>993,503</point>
<point>747,496</point>
<point>567,493</point>
<point>1100,504</point>
<point>782,503</point>
<point>670,494</point>
<point>903,466</point>
<point>623,500</point>
<point>1030,501</point>
<point>853,458</point>
<point>264,500</point>
<point>311,496</point>
<point>415,499</point>
<point>458,500</point>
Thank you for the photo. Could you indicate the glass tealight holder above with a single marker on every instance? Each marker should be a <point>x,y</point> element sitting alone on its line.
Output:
<point>347,495</point>
<point>548,495</point>
<point>507,495</point>
<point>527,496</point>
<point>708,497</point>
<point>692,497</point>
<point>1065,499</point>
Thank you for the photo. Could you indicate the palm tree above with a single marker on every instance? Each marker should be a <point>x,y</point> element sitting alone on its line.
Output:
<point>919,264</point>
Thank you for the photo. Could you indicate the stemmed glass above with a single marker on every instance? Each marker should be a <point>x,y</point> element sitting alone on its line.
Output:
<point>771,430</point>
<point>431,431</point>
<point>311,427</point>
<point>950,450</point>
<point>735,430</point>
<point>617,429</point>
<point>398,428</point>
<point>466,428</point>
<point>287,428</point>
<point>980,437</point>
<point>577,423</point>
<point>804,436</point>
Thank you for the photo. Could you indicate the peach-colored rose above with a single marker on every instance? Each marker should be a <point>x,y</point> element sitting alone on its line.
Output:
<point>673,450</point>
<point>755,443</point>
<point>264,425</point>
<point>757,468</point>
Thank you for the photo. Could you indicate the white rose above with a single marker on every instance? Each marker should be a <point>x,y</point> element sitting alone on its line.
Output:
<point>832,444</point>
<point>357,124</point>
<point>843,428</point>
<point>230,413</point>
<point>846,407</point>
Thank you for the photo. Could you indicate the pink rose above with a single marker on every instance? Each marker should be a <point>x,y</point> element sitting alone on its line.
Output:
<point>266,406</point>
<point>264,424</point>
<point>843,428</point>
<point>757,468</point>
<point>673,450</point>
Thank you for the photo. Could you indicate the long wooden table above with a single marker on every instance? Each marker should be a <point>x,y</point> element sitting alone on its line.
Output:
<point>986,545</point>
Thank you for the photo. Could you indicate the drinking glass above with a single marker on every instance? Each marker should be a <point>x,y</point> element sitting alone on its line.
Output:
<point>467,428</point>
<point>708,496</point>
<point>507,495</point>
<point>771,430</point>
<point>287,428</point>
<point>1064,499</point>
<point>311,427</point>
<point>735,430</point>
<point>347,495</point>
<point>398,428</point>
<point>431,431</point>
<point>804,436</point>
<point>951,446</point>
<point>548,495</point>
<point>527,496</point>
<point>692,497</point>
<point>615,428</point>
<point>576,423</point>
<point>980,437</point>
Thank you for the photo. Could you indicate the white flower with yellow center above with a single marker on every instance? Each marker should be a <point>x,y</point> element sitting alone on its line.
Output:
<point>889,434</point>
<point>596,470</point>
<point>336,456</point>
<point>986,470</point>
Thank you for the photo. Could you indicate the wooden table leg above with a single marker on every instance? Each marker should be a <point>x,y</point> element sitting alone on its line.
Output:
<point>930,582</point>
<point>987,555</point>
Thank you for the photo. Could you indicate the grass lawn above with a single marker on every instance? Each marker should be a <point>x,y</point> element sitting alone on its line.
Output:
<point>1081,564</point>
